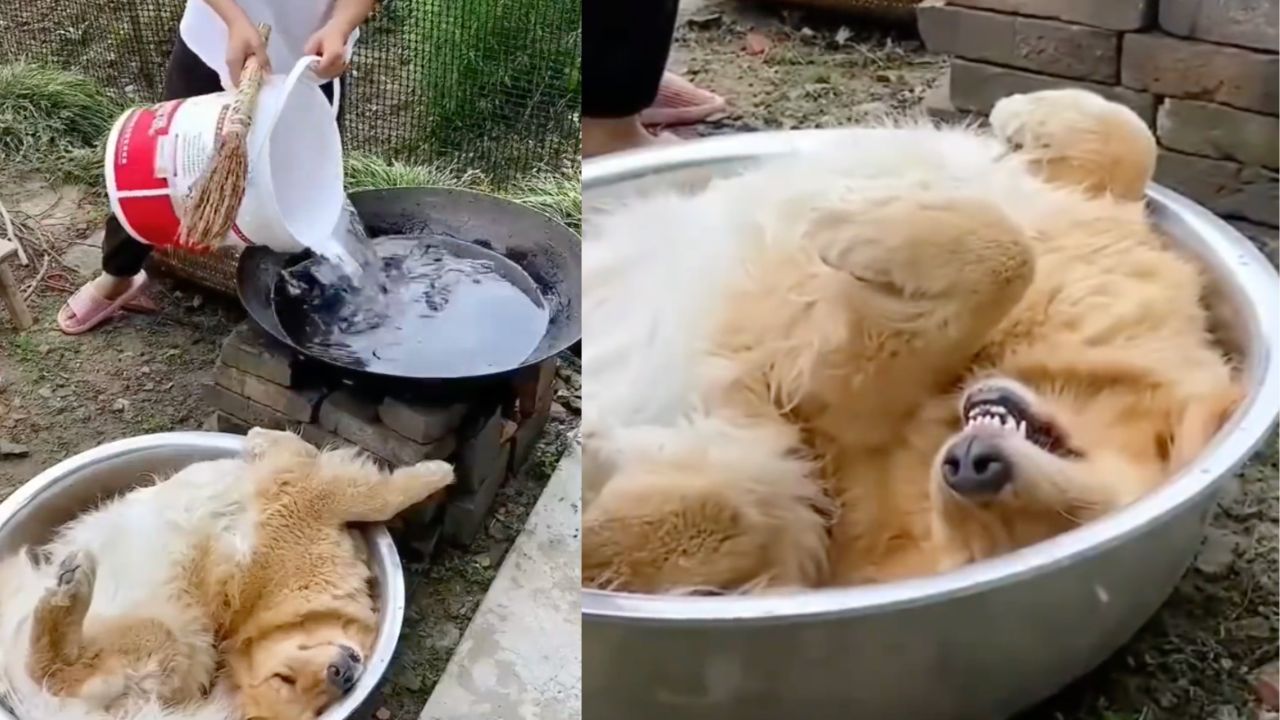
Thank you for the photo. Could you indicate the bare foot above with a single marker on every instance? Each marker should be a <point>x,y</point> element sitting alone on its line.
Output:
<point>111,287</point>
<point>601,136</point>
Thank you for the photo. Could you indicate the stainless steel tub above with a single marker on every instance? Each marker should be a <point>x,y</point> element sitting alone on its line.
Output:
<point>977,644</point>
<point>58,494</point>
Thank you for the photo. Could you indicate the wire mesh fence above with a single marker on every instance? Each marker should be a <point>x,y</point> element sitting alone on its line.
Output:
<point>486,85</point>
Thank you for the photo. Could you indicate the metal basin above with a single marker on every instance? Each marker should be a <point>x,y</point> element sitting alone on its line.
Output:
<point>979,643</point>
<point>34,511</point>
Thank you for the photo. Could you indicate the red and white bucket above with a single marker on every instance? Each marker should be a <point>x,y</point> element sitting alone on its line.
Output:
<point>293,192</point>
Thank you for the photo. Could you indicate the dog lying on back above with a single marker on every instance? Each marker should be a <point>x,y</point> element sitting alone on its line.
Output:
<point>231,591</point>
<point>906,351</point>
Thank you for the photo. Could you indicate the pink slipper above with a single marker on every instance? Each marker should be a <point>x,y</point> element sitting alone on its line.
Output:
<point>86,309</point>
<point>142,304</point>
<point>680,102</point>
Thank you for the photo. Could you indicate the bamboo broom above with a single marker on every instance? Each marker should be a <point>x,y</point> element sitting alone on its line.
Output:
<point>216,197</point>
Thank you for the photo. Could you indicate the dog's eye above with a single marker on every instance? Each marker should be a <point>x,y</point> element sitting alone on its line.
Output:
<point>286,679</point>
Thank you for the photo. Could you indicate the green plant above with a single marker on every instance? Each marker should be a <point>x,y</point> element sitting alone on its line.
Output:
<point>53,122</point>
<point>487,75</point>
<point>552,193</point>
<point>364,172</point>
<point>558,195</point>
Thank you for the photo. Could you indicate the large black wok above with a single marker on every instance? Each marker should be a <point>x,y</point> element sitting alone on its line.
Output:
<point>546,250</point>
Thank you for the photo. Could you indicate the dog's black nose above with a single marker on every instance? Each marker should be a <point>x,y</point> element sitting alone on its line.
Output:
<point>975,466</point>
<point>345,671</point>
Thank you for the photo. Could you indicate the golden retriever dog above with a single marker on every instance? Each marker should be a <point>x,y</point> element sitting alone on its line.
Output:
<point>231,591</point>
<point>909,350</point>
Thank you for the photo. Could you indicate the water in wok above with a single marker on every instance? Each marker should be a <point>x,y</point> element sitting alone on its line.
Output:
<point>530,263</point>
<point>444,307</point>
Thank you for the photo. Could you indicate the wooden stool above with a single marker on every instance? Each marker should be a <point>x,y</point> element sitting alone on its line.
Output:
<point>9,290</point>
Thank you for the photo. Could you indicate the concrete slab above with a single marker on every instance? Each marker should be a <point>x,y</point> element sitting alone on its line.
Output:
<point>85,257</point>
<point>521,657</point>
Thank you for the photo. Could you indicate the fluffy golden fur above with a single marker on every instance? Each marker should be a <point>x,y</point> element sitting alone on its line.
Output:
<point>910,350</point>
<point>231,591</point>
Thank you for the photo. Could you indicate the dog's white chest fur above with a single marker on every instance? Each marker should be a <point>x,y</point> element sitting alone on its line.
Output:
<point>655,268</point>
<point>143,539</point>
<point>144,543</point>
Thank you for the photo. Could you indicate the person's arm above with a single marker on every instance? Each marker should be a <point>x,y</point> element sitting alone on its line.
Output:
<point>330,41</point>
<point>243,39</point>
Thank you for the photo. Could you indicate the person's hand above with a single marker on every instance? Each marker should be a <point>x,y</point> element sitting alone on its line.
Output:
<point>330,44</point>
<point>243,42</point>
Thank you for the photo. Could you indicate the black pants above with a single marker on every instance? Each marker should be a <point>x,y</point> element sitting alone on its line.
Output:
<point>625,44</point>
<point>187,76</point>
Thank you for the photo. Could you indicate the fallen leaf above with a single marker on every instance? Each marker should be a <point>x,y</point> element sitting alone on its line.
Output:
<point>758,43</point>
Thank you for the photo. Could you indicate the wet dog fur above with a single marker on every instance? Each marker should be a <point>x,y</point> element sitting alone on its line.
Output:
<point>906,352</point>
<point>233,590</point>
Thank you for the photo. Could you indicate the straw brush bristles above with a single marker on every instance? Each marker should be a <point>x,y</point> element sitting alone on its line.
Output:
<point>216,197</point>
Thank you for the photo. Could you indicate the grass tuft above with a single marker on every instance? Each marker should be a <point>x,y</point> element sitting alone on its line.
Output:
<point>554,194</point>
<point>558,195</point>
<point>54,123</point>
<point>370,172</point>
<point>495,83</point>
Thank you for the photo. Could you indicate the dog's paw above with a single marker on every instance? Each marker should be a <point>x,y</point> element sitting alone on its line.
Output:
<point>1053,120</point>
<point>76,575</point>
<point>435,472</point>
<point>1078,138</point>
<point>260,442</point>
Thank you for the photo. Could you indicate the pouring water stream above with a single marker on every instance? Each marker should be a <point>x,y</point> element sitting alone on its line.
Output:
<point>407,305</point>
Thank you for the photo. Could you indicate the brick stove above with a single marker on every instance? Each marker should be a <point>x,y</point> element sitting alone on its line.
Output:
<point>487,431</point>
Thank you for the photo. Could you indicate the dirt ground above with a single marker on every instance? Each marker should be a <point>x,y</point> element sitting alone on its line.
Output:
<point>1195,660</point>
<point>782,70</point>
<point>142,374</point>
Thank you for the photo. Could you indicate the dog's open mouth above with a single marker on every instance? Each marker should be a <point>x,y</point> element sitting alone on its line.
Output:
<point>1004,409</point>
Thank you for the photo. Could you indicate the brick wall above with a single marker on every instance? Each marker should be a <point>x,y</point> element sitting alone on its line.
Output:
<point>1204,74</point>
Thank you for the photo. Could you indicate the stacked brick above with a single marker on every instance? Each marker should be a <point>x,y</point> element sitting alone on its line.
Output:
<point>487,432</point>
<point>1204,74</point>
